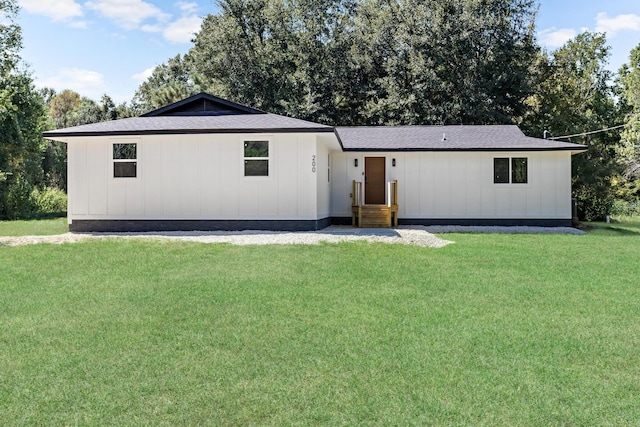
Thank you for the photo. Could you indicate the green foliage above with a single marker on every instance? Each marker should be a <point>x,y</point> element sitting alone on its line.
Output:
<point>593,205</point>
<point>575,95</point>
<point>10,37</point>
<point>54,164</point>
<point>25,201</point>
<point>169,83</point>
<point>445,62</point>
<point>68,108</point>
<point>346,62</point>
<point>18,202</point>
<point>624,208</point>
<point>49,201</point>
<point>21,145</point>
<point>629,149</point>
<point>22,120</point>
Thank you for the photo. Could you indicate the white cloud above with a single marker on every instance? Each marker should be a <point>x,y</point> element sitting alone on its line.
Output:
<point>85,82</point>
<point>143,75</point>
<point>553,37</point>
<point>611,26</point>
<point>128,14</point>
<point>183,29</point>
<point>188,8</point>
<point>57,10</point>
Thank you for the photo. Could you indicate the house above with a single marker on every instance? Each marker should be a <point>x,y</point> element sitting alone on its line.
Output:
<point>205,163</point>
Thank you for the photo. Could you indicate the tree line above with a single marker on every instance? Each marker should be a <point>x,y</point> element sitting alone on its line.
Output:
<point>367,62</point>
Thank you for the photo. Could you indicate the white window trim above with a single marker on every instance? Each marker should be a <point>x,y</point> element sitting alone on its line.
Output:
<point>251,138</point>
<point>112,142</point>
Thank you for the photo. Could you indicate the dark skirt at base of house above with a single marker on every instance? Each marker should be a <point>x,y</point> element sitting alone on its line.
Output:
<point>121,226</point>
<point>506,222</point>
<point>115,226</point>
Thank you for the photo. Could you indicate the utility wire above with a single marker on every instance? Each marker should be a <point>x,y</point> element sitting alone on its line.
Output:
<point>588,133</point>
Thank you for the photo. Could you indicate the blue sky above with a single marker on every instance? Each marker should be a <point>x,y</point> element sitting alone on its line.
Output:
<point>111,46</point>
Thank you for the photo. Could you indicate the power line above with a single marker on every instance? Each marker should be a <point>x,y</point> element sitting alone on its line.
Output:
<point>588,133</point>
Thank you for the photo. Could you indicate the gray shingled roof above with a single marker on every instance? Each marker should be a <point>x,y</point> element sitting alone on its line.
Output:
<point>250,123</point>
<point>430,138</point>
<point>360,138</point>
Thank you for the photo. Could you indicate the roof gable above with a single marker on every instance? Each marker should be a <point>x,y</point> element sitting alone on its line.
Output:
<point>203,104</point>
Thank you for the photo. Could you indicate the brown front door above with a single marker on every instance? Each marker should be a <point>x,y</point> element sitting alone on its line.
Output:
<point>374,180</point>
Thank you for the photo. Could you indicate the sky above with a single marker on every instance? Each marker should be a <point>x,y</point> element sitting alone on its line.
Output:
<point>111,46</point>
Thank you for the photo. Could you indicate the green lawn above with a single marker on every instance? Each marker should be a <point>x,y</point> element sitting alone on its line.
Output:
<point>492,330</point>
<point>35,227</point>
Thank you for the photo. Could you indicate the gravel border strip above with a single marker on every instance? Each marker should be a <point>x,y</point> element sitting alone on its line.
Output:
<point>407,235</point>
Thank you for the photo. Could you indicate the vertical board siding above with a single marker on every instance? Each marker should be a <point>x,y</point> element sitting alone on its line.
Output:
<point>306,181</point>
<point>96,161</point>
<point>287,174</point>
<point>202,177</point>
<point>78,187</point>
<point>459,185</point>
<point>209,177</point>
<point>323,184</point>
<point>197,177</point>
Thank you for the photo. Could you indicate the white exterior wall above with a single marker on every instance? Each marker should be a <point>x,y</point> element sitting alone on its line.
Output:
<point>191,177</point>
<point>450,185</point>
<point>322,170</point>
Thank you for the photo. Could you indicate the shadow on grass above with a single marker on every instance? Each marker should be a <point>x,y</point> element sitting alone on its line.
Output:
<point>612,229</point>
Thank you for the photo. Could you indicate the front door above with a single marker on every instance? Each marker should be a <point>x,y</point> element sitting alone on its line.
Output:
<point>374,180</point>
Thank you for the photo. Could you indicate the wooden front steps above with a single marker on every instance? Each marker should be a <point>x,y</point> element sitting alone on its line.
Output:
<point>375,216</point>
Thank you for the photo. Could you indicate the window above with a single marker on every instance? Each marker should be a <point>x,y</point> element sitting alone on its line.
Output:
<point>519,170</point>
<point>500,170</point>
<point>256,158</point>
<point>125,163</point>
<point>516,165</point>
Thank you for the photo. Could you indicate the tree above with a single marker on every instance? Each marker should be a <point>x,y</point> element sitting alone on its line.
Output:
<point>21,121</point>
<point>445,62</point>
<point>271,54</point>
<point>370,61</point>
<point>168,83</point>
<point>21,124</point>
<point>61,105</point>
<point>629,150</point>
<point>10,37</point>
<point>67,109</point>
<point>574,95</point>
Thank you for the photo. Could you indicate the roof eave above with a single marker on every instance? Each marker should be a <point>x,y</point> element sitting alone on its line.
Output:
<point>573,150</point>
<point>53,135</point>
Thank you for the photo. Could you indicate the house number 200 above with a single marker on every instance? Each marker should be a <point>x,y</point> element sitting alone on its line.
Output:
<point>313,164</point>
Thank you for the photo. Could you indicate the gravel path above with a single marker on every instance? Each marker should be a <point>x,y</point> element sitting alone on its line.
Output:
<point>407,235</point>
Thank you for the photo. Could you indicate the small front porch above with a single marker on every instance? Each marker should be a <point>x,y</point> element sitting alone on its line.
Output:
<point>374,215</point>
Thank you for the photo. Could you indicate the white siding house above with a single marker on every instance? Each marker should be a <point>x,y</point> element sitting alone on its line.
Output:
<point>447,174</point>
<point>205,163</point>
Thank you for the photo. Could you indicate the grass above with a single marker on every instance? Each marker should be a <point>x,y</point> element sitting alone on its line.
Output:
<point>34,227</point>
<point>492,330</point>
<point>617,226</point>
